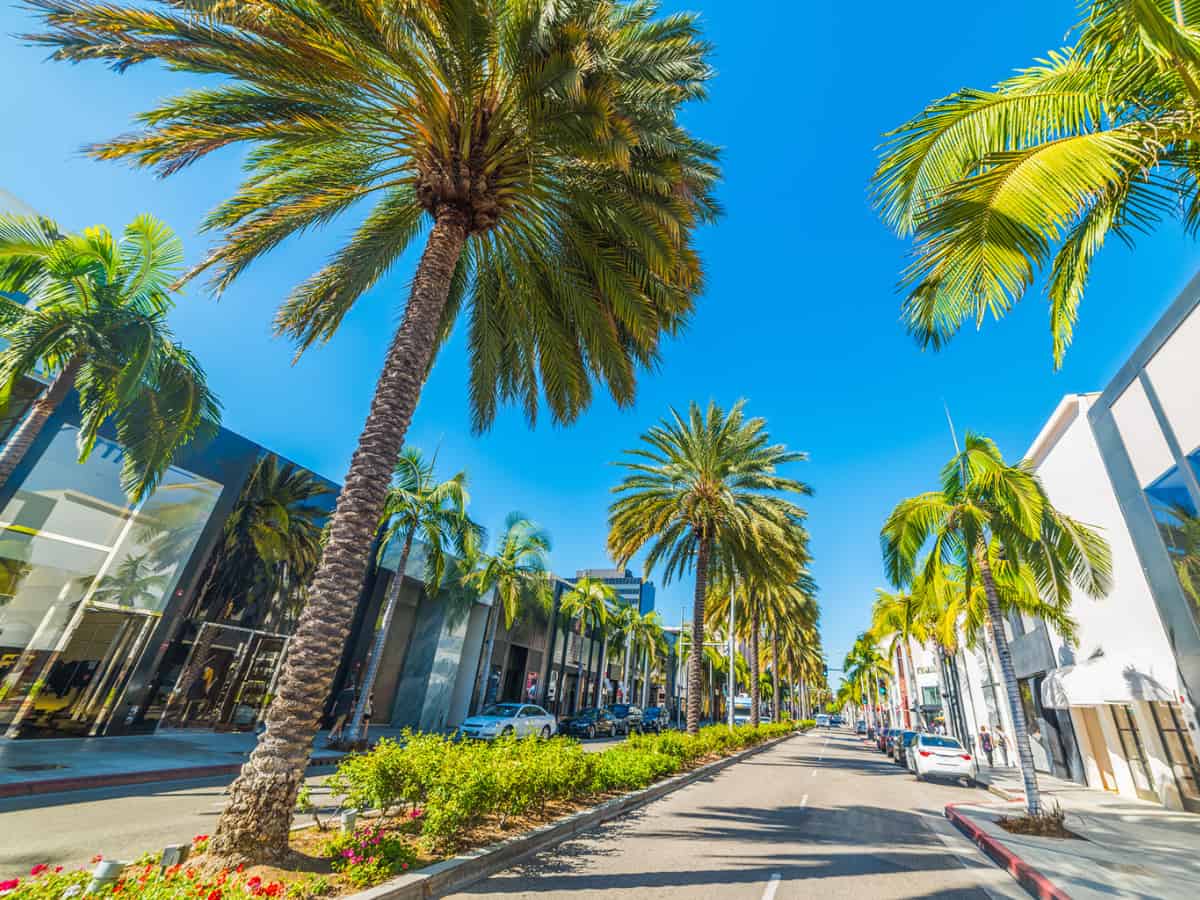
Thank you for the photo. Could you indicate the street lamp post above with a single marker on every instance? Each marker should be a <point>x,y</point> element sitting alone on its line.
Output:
<point>732,649</point>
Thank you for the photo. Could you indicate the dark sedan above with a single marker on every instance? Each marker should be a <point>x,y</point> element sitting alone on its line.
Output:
<point>590,723</point>
<point>654,718</point>
<point>629,718</point>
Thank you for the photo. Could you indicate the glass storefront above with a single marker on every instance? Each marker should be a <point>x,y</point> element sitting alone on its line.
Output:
<point>84,578</point>
<point>1133,748</point>
<point>1181,752</point>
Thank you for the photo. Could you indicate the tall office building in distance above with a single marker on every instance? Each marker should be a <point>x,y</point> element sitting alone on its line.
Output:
<point>631,590</point>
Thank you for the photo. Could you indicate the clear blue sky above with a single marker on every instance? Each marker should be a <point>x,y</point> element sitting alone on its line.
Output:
<point>801,315</point>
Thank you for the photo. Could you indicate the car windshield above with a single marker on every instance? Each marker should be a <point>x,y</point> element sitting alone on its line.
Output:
<point>931,740</point>
<point>619,709</point>
<point>587,714</point>
<point>502,710</point>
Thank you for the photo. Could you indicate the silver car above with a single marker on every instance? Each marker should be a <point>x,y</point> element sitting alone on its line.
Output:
<point>519,719</point>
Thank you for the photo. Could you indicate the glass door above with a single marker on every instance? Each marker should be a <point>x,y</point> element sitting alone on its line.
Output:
<point>1181,752</point>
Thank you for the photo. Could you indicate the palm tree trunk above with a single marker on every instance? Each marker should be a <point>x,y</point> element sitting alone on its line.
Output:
<point>755,687</point>
<point>380,640</point>
<point>254,825</point>
<point>39,414</point>
<point>694,674</point>
<point>645,677</point>
<point>581,681</point>
<point>1033,796</point>
<point>625,674</point>
<point>601,674</point>
<point>776,677</point>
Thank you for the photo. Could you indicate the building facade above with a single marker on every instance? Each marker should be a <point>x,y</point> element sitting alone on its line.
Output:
<point>112,616</point>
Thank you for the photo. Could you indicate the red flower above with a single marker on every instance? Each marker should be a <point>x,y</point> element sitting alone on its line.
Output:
<point>215,894</point>
<point>273,889</point>
<point>38,869</point>
<point>57,869</point>
<point>11,884</point>
<point>97,858</point>
<point>254,882</point>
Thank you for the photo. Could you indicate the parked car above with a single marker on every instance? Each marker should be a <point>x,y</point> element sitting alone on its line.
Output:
<point>590,723</point>
<point>860,727</point>
<point>629,718</point>
<point>935,755</point>
<point>519,719</point>
<point>822,721</point>
<point>899,742</point>
<point>884,740</point>
<point>655,718</point>
<point>837,722</point>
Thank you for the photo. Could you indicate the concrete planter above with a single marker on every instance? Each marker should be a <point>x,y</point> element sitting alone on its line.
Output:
<point>467,868</point>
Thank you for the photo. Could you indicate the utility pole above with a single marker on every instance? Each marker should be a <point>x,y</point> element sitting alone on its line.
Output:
<point>732,647</point>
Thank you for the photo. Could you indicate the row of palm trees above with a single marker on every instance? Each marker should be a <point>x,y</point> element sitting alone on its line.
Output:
<point>985,546</point>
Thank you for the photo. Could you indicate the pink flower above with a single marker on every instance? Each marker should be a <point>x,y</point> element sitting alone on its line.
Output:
<point>38,869</point>
<point>10,885</point>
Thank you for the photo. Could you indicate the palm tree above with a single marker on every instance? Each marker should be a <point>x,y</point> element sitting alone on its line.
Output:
<point>591,601</point>
<point>1004,188</point>
<point>417,505</point>
<point>625,620</point>
<point>516,576</point>
<point>898,619</point>
<point>705,490</point>
<point>995,522</point>
<point>90,312</point>
<point>535,144</point>
<point>647,639</point>
<point>269,548</point>
<point>137,582</point>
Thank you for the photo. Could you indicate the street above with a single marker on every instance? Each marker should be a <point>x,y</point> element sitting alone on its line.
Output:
<point>821,814</point>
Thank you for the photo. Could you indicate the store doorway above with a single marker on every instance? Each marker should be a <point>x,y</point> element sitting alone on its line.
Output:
<point>232,673</point>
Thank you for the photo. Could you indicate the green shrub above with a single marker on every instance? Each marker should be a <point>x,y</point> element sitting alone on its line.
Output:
<point>458,784</point>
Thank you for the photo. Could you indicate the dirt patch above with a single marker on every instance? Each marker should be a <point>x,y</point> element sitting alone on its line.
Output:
<point>1048,824</point>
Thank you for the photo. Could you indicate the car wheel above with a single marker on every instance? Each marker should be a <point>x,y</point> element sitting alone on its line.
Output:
<point>918,776</point>
<point>507,732</point>
<point>545,732</point>
<point>591,732</point>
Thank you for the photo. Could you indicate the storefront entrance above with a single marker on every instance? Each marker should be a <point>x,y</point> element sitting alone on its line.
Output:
<point>1181,752</point>
<point>230,674</point>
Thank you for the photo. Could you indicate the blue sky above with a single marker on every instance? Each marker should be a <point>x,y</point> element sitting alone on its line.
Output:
<point>800,316</point>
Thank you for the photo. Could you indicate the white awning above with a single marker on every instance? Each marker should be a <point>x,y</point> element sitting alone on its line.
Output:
<point>1104,680</point>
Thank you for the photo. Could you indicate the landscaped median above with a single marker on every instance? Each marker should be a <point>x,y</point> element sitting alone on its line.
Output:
<point>433,798</point>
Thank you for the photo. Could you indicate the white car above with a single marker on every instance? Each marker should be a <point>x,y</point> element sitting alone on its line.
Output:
<point>938,756</point>
<point>822,721</point>
<point>520,719</point>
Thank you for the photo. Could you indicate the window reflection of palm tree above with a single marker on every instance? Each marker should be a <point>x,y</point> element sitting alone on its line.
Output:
<point>257,575</point>
<point>1183,543</point>
<point>137,583</point>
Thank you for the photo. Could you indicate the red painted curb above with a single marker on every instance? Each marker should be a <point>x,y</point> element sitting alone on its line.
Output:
<point>117,779</point>
<point>1025,874</point>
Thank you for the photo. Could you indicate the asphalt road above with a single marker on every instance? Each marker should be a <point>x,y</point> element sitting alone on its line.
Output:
<point>820,815</point>
<point>122,822</point>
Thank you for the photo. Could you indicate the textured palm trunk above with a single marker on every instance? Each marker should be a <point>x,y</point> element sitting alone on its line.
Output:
<point>776,678</point>
<point>254,825</point>
<point>626,692</point>
<point>697,660</point>
<point>601,673</point>
<point>645,679</point>
<point>755,686</point>
<point>379,642</point>
<point>39,414</point>
<point>915,696</point>
<point>581,679</point>
<point>1033,796</point>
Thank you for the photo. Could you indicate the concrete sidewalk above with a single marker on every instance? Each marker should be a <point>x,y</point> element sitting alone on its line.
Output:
<point>65,764</point>
<point>1130,848</point>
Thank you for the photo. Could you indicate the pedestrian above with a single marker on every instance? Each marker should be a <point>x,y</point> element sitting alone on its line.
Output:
<point>367,716</point>
<point>342,707</point>
<point>1001,741</point>
<point>986,745</point>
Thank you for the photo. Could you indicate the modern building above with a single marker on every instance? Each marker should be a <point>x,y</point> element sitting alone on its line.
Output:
<point>631,590</point>
<point>100,601</point>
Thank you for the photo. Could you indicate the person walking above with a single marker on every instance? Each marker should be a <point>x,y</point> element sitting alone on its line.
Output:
<point>987,745</point>
<point>342,707</point>
<point>1001,741</point>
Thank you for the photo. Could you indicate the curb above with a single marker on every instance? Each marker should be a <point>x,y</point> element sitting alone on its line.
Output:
<point>465,869</point>
<point>1026,875</point>
<point>118,779</point>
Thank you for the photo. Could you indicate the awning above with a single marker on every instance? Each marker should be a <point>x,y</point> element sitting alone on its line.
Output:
<point>1103,680</point>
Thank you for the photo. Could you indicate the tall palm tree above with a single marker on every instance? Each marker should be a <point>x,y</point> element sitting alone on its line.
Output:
<point>1004,188</point>
<point>418,505</point>
<point>625,619</point>
<point>89,311</point>
<point>898,619</point>
<point>994,521</point>
<point>537,147</point>
<point>591,602</point>
<point>269,548</point>
<point>648,640</point>
<point>705,489</point>
<point>865,665</point>
<point>516,576</point>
